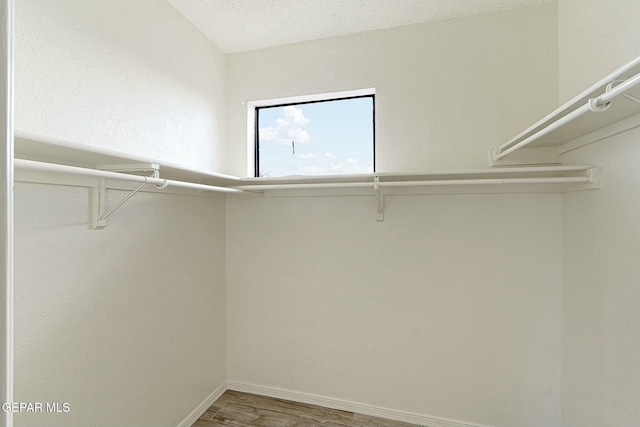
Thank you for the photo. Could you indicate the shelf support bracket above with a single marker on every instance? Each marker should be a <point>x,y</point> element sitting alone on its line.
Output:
<point>98,203</point>
<point>379,200</point>
<point>631,97</point>
<point>99,212</point>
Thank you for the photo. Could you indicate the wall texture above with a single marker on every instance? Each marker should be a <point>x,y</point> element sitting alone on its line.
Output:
<point>448,308</point>
<point>134,76</point>
<point>446,92</point>
<point>600,242</point>
<point>126,324</point>
<point>601,320</point>
<point>595,39</point>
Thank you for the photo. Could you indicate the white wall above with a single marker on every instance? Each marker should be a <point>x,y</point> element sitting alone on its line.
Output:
<point>601,296</point>
<point>448,308</point>
<point>600,234</point>
<point>134,76</point>
<point>451,307</point>
<point>126,324</point>
<point>595,38</point>
<point>446,92</point>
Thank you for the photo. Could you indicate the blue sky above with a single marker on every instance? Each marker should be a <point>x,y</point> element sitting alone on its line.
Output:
<point>333,137</point>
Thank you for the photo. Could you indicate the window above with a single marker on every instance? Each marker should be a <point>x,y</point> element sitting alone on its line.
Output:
<point>315,137</point>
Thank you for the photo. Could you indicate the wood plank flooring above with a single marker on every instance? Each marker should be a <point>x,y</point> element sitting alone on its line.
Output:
<point>238,409</point>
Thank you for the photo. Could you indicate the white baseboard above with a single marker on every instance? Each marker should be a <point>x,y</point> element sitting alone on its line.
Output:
<point>345,405</point>
<point>201,408</point>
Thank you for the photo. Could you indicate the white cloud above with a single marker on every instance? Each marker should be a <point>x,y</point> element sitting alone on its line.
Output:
<point>352,161</point>
<point>312,170</point>
<point>290,128</point>
<point>330,156</point>
<point>331,167</point>
<point>306,156</point>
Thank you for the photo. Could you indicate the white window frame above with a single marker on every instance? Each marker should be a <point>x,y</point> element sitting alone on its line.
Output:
<point>251,115</point>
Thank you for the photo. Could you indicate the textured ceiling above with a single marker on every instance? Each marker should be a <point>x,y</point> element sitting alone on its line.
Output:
<point>239,25</point>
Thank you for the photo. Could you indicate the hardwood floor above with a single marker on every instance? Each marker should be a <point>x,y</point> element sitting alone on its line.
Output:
<point>238,409</point>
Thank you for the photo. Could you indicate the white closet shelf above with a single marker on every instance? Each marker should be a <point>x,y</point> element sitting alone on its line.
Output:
<point>613,99</point>
<point>29,146</point>
<point>571,177</point>
<point>496,176</point>
<point>37,153</point>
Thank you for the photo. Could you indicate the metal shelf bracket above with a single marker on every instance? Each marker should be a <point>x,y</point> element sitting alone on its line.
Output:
<point>379,200</point>
<point>99,212</point>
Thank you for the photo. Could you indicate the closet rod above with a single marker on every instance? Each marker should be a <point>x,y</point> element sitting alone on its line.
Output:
<point>488,181</point>
<point>74,170</point>
<point>598,104</point>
